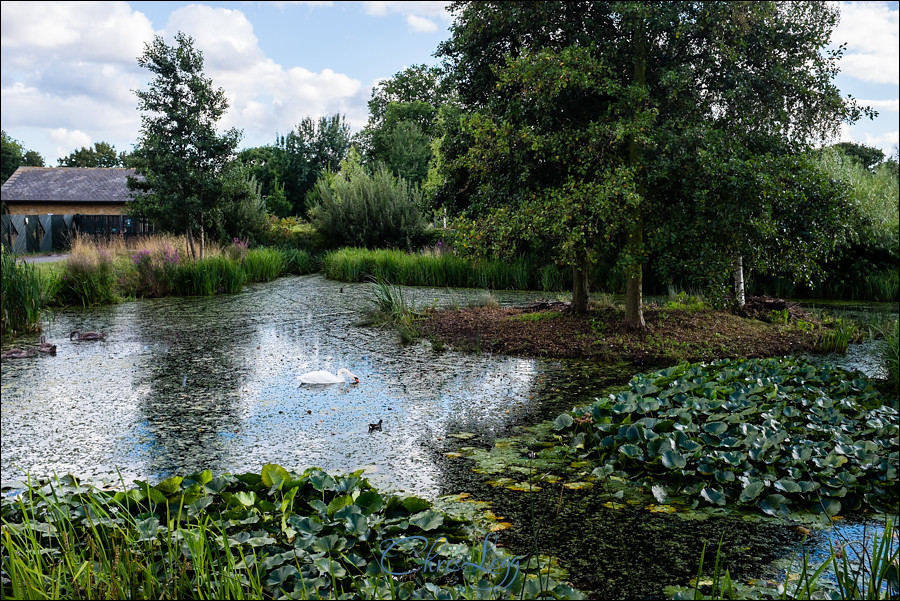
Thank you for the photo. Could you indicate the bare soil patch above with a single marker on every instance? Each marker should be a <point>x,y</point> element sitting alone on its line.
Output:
<point>552,330</point>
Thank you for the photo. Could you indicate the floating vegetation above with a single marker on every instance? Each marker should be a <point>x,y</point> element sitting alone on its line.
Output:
<point>780,435</point>
<point>271,535</point>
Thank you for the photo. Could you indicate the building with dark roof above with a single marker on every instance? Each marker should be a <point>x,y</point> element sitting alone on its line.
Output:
<point>45,206</point>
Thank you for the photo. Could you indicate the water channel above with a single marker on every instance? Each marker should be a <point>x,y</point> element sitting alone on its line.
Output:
<point>185,384</point>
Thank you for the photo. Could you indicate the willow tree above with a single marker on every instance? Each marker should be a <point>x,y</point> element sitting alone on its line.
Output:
<point>180,155</point>
<point>751,70</point>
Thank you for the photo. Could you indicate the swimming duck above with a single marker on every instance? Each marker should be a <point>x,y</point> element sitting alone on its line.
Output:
<point>375,427</point>
<point>87,335</point>
<point>46,348</point>
<point>18,353</point>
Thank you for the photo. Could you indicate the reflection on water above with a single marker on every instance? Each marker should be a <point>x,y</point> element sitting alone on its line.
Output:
<point>184,384</point>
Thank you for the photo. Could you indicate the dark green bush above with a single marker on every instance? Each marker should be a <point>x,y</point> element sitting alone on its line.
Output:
<point>355,208</point>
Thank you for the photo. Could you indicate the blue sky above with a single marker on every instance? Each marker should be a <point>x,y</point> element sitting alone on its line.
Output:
<point>69,68</point>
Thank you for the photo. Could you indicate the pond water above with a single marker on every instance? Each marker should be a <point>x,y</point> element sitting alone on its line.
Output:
<point>184,384</point>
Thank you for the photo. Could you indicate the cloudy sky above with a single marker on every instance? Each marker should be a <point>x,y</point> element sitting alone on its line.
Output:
<point>69,68</point>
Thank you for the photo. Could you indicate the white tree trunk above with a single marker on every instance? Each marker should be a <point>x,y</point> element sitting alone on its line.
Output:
<point>739,295</point>
<point>202,242</point>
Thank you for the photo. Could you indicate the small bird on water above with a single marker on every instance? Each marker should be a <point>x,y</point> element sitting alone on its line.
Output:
<point>375,427</point>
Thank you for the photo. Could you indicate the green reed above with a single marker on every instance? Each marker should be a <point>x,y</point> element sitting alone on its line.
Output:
<point>22,298</point>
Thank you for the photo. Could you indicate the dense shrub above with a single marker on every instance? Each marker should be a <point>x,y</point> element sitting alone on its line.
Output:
<point>355,208</point>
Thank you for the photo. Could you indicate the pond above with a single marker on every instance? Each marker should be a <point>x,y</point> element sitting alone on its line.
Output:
<point>185,384</point>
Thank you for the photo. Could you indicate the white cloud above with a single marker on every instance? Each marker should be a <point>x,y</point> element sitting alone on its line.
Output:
<point>882,105</point>
<point>69,139</point>
<point>264,97</point>
<point>103,32</point>
<point>870,30</point>
<point>82,76</point>
<point>421,24</point>
<point>420,16</point>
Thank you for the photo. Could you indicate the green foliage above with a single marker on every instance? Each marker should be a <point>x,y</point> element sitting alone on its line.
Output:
<point>355,208</point>
<point>207,277</point>
<point>155,271</point>
<point>101,155</point>
<point>303,536</point>
<point>88,279</point>
<point>428,269</point>
<point>837,336</point>
<point>14,155</point>
<point>868,157</point>
<point>288,170</point>
<point>179,154</point>
<point>263,264</point>
<point>21,297</point>
<point>241,211</point>
<point>299,262</point>
<point>777,435</point>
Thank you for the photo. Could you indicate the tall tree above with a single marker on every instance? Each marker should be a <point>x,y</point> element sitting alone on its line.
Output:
<point>101,155</point>
<point>403,113</point>
<point>755,70</point>
<point>311,149</point>
<point>180,154</point>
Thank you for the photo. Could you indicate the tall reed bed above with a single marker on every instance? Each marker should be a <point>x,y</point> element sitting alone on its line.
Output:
<point>263,264</point>
<point>89,276</point>
<point>434,269</point>
<point>22,296</point>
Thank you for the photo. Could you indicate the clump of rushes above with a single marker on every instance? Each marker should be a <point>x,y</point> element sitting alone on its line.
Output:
<point>22,297</point>
<point>389,307</point>
<point>271,535</point>
<point>263,264</point>
<point>89,277</point>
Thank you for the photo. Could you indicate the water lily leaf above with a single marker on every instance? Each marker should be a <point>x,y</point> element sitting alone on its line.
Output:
<point>775,505</point>
<point>274,475</point>
<point>631,450</point>
<point>713,496</point>
<point>337,503</point>
<point>356,523</point>
<point>147,529</point>
<point>751,491</point>
<point>415,504</point>
<point>260,541</point>
<point>326,565</point>
<point>724,476</point>
<point>427,520</point>
<point>370,502</point>
<point>632,434</point>
<point>327,544</point>
<point>170,486</point>
<point>787,485</point>
<point>277,578</point>
<point>828,506</point>
<point>563,421</point>
<point>673,460</point>
<point>715,428</point>
<point>320,480</point>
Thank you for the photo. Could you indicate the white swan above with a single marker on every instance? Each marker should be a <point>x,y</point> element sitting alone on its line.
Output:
<point>326,377</point>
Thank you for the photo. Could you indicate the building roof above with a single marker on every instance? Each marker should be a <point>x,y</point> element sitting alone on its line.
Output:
<point>68,184</point>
